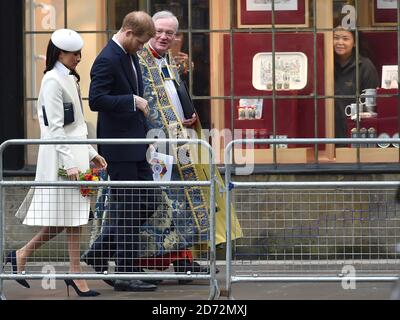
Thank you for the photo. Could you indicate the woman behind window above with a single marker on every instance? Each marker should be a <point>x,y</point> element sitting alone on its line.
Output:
<point>345,76</point>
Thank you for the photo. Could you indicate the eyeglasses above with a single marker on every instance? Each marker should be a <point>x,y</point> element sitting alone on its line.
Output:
<point>168,34</point>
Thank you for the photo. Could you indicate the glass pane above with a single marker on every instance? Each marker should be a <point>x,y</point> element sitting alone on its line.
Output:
<point>200,12</point>
<point>44,15</point>
<point>86,15</point>
<point>177,7</point>
<point>201,58</point>
<point>201,75</point>
<point>35,57</point>
<point>94,43</point>
<point>117,11</point>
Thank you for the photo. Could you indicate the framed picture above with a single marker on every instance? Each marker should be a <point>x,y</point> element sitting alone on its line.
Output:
<point>385,12</point>
<point>290,71</point>
<point>390,77</point>
<point>258,13</point>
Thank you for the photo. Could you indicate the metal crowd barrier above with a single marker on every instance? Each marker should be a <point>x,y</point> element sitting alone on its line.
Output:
<point>311,231</point>
<point>17,234</point>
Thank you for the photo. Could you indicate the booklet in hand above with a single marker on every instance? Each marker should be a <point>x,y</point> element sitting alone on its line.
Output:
<point>161,165</point>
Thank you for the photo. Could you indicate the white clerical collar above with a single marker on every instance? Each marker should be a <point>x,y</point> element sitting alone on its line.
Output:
<point>155,53</point>
<point>114,38</point>
<point>61,68</point>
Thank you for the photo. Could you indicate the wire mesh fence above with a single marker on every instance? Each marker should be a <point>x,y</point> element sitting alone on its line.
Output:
<point>168,235</point>
<point>316,231</point>
<point>116,230</point>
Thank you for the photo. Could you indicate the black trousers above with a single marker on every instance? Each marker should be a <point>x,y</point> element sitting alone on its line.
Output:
<point>129,208</point>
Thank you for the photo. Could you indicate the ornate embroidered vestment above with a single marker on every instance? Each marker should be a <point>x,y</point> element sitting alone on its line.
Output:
<point>163,116</point>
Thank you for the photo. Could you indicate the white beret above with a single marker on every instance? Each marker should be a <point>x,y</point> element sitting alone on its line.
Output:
<point>67,40</point>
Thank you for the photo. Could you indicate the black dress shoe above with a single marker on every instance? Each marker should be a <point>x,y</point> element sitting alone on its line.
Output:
<point>98,268</point>
<point>185,266</point>
<point>109,282</point>
<point>202,269</point>
<point>133,285</point>
<point>155,282</point>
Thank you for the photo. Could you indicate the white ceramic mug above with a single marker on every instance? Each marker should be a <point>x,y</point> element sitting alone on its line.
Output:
<point>395,136</point>
<point>370,99</point>
<point>351,110</point>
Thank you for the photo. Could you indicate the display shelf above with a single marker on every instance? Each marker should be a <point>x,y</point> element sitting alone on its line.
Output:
<point>367,155</point>
<point>283,155</point>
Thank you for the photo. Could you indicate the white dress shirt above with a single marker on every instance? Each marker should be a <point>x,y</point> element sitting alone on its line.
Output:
<point>171,90</point>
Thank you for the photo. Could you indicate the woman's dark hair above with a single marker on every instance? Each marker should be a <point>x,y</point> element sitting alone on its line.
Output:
<point>352,31</point>
<point>73,72</point>
<point>52,55</point>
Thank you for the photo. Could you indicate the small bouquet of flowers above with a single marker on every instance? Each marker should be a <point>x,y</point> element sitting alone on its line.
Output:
<point>92,174</point>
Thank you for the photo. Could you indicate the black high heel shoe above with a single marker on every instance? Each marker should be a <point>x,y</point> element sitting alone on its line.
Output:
<point>90,293</point>
<point>12,258</point>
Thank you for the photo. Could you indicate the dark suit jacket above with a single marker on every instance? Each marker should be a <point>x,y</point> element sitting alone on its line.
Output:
<point>111,94</point>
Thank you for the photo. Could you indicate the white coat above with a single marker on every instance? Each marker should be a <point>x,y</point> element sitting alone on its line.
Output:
<point>60,206</point>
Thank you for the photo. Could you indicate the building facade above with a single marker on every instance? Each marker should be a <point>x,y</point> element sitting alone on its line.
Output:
<point>239,89</point>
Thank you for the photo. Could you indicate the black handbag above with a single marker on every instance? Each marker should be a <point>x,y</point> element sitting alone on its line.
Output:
<point>186,100</point>
<point>68,114</point>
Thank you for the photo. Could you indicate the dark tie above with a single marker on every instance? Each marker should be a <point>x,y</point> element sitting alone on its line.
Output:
<point>133,70</point>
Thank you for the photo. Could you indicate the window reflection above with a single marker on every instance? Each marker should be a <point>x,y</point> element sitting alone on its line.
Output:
<point>44,15</point>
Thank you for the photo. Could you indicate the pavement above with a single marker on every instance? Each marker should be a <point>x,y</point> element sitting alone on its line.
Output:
<point>200,289</point>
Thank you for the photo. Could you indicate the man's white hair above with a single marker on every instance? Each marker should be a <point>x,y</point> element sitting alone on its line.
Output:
<point>166,15</point>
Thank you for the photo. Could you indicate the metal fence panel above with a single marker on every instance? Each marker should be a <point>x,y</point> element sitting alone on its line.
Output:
<point>316,231</point>
<point>312,230</point>
<point>174,228</point>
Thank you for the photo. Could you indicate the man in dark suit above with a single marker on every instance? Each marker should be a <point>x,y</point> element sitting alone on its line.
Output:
<point>115,92</point>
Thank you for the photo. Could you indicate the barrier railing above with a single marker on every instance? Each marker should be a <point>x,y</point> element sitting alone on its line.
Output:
<point>150,234</point>
<point>310,231</point>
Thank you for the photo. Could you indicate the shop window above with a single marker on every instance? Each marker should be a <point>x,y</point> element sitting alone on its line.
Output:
<point>223,38</point>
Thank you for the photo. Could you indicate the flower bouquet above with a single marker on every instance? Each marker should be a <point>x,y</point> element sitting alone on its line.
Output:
<point>92,174</point>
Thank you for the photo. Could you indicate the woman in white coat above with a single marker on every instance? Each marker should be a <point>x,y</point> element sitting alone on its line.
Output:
<point>60,208</point>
